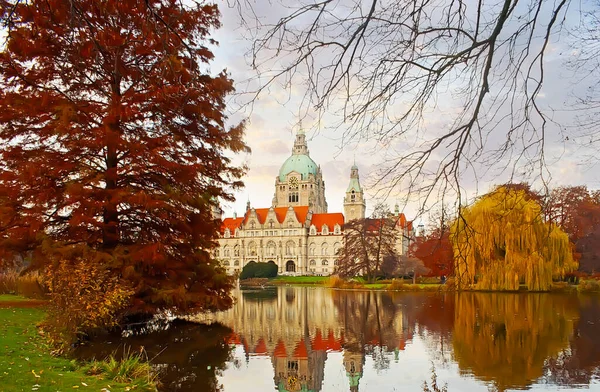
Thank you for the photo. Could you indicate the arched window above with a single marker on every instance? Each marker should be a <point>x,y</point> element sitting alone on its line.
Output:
<point>324,262</point>
<point>217,253</point>
<point>252,225</point>
<point>313,262</point>
<point>227,233</point>
<point>236,263</point>
<point>271,248</point>
<point>293,197</point>
<point>352,196</point>
<point>336,248</point>
<point>252,248</point>
<point>236,251</point>
<point>337,229</point>
<point>324,249</point>
<point>312,249</point>
<point>289,248</point>
<point>313,230</point>
<point>271,224</point>
<point>226,251</point>
<point>226,263</point>
<point>324,230</point>
<point>290,266</point>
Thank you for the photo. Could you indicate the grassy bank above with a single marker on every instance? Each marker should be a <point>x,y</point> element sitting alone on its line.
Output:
<point>356,284</point>
<point>300,280</point>
<point>26,363</point>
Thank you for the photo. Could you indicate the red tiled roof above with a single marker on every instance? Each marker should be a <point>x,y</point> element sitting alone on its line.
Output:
<point>332,343</point>
<point>300,351</point>
<point>261,347</point>
<point>318,344</point>
<point>231,224</point>
<point>280,212</point>
<point>279,351</point>
<point>327,219</point>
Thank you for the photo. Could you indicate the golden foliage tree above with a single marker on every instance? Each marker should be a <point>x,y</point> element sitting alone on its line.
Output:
<point>503,240</point>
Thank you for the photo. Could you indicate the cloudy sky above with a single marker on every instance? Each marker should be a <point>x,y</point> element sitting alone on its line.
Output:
<point>273,121</point>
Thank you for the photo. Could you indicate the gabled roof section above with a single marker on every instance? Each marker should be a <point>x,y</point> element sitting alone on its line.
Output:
<point>231,224</point>
<point>329,219</point>
<point>280,213</point>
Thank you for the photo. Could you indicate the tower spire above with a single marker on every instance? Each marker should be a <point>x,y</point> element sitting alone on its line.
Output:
<point>300,147</point>
<point>354,202</point>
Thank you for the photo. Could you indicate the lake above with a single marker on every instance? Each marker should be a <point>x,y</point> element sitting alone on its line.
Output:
<point>320,339</point>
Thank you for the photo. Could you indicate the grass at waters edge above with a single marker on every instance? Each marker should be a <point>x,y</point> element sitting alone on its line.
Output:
<point>26,362</point>
<point>585,286</point>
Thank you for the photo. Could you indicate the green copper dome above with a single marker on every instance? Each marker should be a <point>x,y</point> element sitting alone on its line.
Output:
<point>301,163</point>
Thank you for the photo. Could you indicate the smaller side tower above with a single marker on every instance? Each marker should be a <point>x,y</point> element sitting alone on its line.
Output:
<point>354,202</point>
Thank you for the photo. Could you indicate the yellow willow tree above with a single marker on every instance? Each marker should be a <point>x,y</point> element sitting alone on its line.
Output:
<point>502,241</point>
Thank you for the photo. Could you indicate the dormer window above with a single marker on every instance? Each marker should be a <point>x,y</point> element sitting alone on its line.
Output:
<point>237,232</point>
<point>227,233</point>
<point>325,230</point>
<point>337,229</point>
<point>313,230</point>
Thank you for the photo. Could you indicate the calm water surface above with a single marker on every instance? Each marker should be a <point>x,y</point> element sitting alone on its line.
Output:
<point>318,339</point>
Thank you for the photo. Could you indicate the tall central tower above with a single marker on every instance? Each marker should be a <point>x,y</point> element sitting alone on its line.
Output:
<point>300,180</point>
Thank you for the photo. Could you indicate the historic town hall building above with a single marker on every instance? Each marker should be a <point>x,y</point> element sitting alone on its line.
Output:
<point>296,232</point>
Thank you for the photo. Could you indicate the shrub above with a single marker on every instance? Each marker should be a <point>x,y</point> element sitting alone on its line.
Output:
<point>397,284</point>
<point>259,270</point>
<point>130,369</point>
<point>8,282</point>
<point>588,286</point>
<point>83,296</point>
<point>29,285</point>
<point>336,282</point>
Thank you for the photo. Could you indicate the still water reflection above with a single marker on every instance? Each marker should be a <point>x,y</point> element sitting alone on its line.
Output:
<point>317,339</point>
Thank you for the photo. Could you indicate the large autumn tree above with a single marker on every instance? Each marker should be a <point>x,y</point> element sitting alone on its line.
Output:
<point>576,210</point>
<point>367,243</point>
<point>114,146</point>
<point>503,240</point>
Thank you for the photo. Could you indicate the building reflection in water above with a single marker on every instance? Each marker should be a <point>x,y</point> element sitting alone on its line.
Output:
<point>507,341</point>
<point>298,328</point>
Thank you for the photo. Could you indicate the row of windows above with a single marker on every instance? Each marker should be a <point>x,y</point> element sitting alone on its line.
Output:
<point>313,231</point>
<point>271,249</point>
<point>236,263</point>
<point>266,233</point>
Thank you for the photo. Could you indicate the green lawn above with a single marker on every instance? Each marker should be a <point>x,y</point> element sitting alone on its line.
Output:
<point>12,298</point>
<point>25,360</point>
<point>300,279</point>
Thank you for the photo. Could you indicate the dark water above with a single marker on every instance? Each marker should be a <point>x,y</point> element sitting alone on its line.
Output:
<point>317,339</point>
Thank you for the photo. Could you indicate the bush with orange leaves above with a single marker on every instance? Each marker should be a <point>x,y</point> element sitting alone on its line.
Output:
<point>84,296</point>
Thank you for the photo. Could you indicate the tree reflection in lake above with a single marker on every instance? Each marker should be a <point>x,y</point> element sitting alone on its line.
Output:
<point>579,364</point>
<point>506,338</point>
<point>189,357</point>
<point>318,339</point>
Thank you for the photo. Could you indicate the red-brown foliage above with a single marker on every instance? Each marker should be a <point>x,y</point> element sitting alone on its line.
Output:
<point>577,211</point>
<point>113,137</point>
<point>435,251</point>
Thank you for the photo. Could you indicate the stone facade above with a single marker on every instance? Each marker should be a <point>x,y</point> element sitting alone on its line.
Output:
<point>296,232</point>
